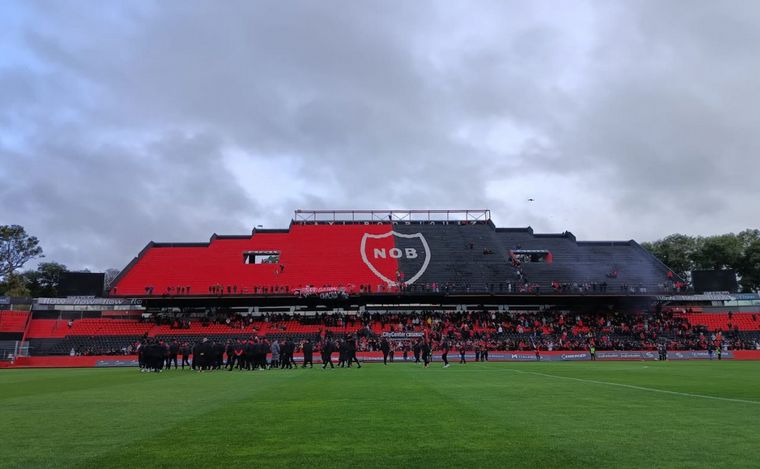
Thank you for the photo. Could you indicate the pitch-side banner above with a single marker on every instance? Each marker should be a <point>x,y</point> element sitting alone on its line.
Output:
<point>402,335</point>
<point>88,301</point>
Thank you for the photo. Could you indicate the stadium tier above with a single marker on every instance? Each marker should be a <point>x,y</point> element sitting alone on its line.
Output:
<point>491,330</point>
<point>13,321</point>
<point>724,321</point>
<point>367,276</point>
<point>392,256</point>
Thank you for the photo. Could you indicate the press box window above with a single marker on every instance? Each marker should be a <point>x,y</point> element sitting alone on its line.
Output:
<point>261,257</point>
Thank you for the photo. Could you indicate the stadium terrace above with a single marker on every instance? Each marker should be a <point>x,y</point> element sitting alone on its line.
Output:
<point>412,253</point>
<point>387,284</point>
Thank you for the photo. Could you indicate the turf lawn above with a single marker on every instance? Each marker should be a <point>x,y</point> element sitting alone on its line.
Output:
<point>477,415</point>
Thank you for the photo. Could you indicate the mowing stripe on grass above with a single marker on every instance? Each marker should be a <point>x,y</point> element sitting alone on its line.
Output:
<point>641,388</point>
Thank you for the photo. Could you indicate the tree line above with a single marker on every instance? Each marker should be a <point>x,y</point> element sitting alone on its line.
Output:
<point>684,253</point>
<point>17,248</point>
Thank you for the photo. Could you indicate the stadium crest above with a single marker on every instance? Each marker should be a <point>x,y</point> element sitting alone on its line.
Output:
<point>414,253</point>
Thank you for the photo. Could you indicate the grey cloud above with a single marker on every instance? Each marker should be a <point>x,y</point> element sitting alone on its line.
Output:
<point>118,135</point>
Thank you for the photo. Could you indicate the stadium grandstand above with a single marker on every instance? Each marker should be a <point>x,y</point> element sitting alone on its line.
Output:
<point>382,252</point>
<point>446,276</point>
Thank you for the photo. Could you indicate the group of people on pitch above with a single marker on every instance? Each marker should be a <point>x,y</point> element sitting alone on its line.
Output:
<point>263,354</point>
<point>423,352</point>
<point>243,354</point>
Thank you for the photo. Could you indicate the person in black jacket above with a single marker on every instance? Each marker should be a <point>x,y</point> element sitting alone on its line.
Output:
<point>308,353</point>
<point>342,349</point>
<point>416,350</point>
<point>249,354</point>
<point>218,355</point>
<point>184,350</point>
<point>173,352</point>
<point>425,351</point>
<point>285,361</point>
<point>195,350</point>
<point>351,352</point>
<point>445,353</point>
<point>141,356</point>
<point>292,353</point>
<point>151,354</point>
<point>229,349</point>
<point>201,355</point>
<point>385,347</point>
<point>207,354</point>
<point>260,354</point>
<point>327,351</point>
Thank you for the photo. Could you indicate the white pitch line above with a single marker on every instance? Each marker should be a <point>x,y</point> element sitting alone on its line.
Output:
<point>641,388</point>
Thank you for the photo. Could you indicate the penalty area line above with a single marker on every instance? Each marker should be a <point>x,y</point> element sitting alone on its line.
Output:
<point>640,388</point>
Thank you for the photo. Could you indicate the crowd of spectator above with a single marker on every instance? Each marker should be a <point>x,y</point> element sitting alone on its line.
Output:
<point>550,330</point>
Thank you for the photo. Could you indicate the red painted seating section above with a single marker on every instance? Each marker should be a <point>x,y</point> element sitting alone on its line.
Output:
<point>720,321</point>
<point>13,321</point>
<point>108,327</point>
<point>51,328</point>
<point>316,255</point>
<point>47,329</point>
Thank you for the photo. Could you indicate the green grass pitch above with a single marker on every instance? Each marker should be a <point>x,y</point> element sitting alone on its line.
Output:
<point>602,414</point>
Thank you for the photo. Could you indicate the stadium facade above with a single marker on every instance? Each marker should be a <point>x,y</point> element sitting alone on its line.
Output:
<point>364,254</point>
<point>403,275</point>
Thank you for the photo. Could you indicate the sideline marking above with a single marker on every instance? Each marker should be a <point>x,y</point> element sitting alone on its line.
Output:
<point>641,388</point>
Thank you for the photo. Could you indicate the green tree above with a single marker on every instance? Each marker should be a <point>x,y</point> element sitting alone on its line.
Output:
<point>14,285</point>
<point>45,280</point>
<point>719,252</point>
<point>740,252</point>
<point>747,237</point>
<point>749,267</point>
<point>16,249</point>
<point>676,251</point>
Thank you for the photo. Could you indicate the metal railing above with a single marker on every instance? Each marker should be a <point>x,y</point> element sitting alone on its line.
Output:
<point>375,216</point>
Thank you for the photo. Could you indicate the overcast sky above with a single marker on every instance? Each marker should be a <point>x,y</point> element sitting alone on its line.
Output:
<point>125,122</point>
